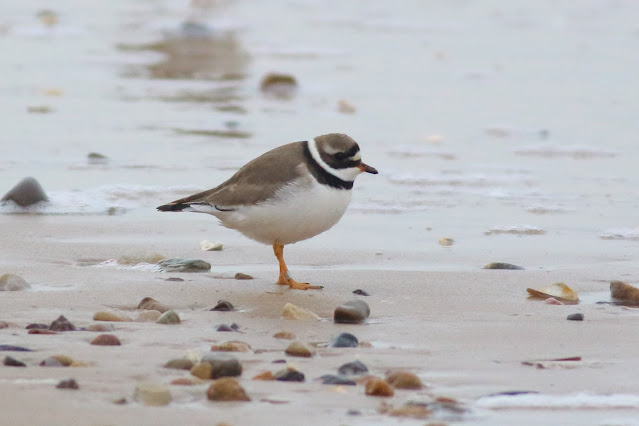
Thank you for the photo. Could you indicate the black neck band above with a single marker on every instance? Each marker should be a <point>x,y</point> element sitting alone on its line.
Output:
<point>322,175</point>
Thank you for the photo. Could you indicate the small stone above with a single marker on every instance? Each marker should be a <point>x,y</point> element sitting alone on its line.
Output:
<point>345,107</point>
<point>231,346</point>
<point>63,359</point>
<point>265,375</point>
<point>150,304</point>
<point>27,192</point>
<point>12,362</point>
<point>42,331</point>
<point>286,335</point>
<point>120,401</point>
<point>242,276</point>
<point>111,316</point>
<point>223,327</point>
<point>503,265</point>
<point>50,362</point>
<point>575,317</point>
<point>331,379</point>
<point>106,340</point>
<point>183,381</point>
<point>378,387</point>
<point>39,109</point>
<point>413,410</point>
<point>291,311</point>
<point>184,265</point>
<point>101,327</point>
<point>402,379</point>
<point>344,340</point>
<point>12,282</point>
<point>169,317</point>
<point>67,384</point>
<point>226,389</point>
<point>352,312</point>
<point>139,257</point>
<point>152,394</point>
<point>179,364</point>
<point>61,324</point>
<point>299,349</point>
<point>289,375</point>
<point>202,370</point>
<point>176,279</point>
<point>37,326</point>
<point>209,246</point>
<point>446,242</point>
<point>361,292</point>
<point>3,324</point>
<point>352,412</point>
<point>223,306</point>
<point>279,85</point>
<point>352,368</point>
<point>14,348</point>
<point>81,364</point>
<point>95,158</point>
<point>620,290</point>
<point>150,316</point>
<point>224,365</point>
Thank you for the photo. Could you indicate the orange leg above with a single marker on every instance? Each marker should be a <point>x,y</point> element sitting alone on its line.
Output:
<point>285,278</point>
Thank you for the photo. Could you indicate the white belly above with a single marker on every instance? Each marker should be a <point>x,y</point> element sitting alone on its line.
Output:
<point>300,212</point>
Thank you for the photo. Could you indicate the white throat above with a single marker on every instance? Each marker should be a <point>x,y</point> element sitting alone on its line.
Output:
<point>347,175</point>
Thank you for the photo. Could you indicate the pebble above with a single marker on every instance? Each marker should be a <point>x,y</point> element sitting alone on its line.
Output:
<point>169,317</point>
<point>184,381</point>
<point>289,375</point>
<point>61,324</point>
<point>265,375</point>
<point>286,335</point>
<point>3,324</point>
<point>279,85</point>
<point>223,306</point>
<point>202,370</point>
<point>224,365</point>
<point>622,291</point>
<point>352,312</point>
<point>412,410</point>
<point>226,389</point>
<point>42,331</point>
<point>209,246</point>
<point>345,107</point>
<point>344,340</point>
<point>179,364</point>
<point>12,282</point>
<point>231,346</point>
<point>50,362</point>
<point>184,265</point>
<point>67,384</point>
<point>139,257</point>
<point>14,348</point>
<point>95,158</point>
<point>226,327</point>
<point>152,394</point>
<point>63,359</point>
<point>299,349</point>
<point>503,265</point>
<point>242,276</point>
<point>352,368</point>
<point>575,317</point>
<point>111,316</point>
<point>150,316</point>
<point>176,279</point>
<point>361,292</point>
<point>291,311</point>
<point>401,379</point>
<point>446,242</point>
<point>12,362</point>
<point>101,327</point>
<point>27,192</point>
<point>378,387</point>
<point>37,326</point>
<point>331,379</point>
<point>106,340</point>
<point>150,304</point>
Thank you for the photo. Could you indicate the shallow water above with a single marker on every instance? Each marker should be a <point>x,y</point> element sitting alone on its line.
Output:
<point>478,116</point>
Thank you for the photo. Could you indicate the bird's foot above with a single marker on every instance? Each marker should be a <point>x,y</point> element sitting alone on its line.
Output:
<point>291,283</point>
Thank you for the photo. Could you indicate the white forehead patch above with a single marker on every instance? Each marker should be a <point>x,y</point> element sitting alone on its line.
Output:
<point>356,157</point>
<point>347,175</point>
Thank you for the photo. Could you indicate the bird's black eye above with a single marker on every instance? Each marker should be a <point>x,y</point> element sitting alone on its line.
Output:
<point>339,156</point>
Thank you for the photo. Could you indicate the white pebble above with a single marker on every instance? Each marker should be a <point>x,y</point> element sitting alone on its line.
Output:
<point>209,246</point>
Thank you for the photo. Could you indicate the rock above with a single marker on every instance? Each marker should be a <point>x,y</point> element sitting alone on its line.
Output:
<point>42,331</point>
<point>299,349</point>
<point>12,282</point>
<point>67,384</point>
<point>26,193</point>
<point>412,410</point>
<point>179,364</point>
<point>378,387</point>
<point>139,257</point>
<point>202,370</point>
<point>503,265</point>
<point>225,327</point>
<point>291,311</point>
<point>95,158</point>
<point>101,327</point>
<point>331,379</point>
<point>352,368</point>
<point>12,362</point>
<point>289,375</point>
<point>344,340</point>
<point>150,316</point>
<point>150,304</point>
<point>279,85</point>
<point>184,381</point>
<point>352,312</point>
<point>231,346</point>
<point>50,362</point>
<point>241,276</point>
<point>14,348</point>
<point>224,365</point>
<point>286,335</point>
<point>169,317</point>
<point>66,361</point>
<point>265,375</point>
<point>223,306</point>
<point>345,107</point>
<point>622,291</point>
<point>446,242</point>
<point>4,324</point>
<point>39,109</point>
<point>209,246</point>
<point>226,389</point>
<point>106,340</point>
<point>184,265</point>
<point>361,292</point>
<point>37,326</point>
<point>111,316</point>
<point>61,324</point>
<point>152,394</point>
<point>176,279</point>
<point>401,379</point>
<point>575,317</point>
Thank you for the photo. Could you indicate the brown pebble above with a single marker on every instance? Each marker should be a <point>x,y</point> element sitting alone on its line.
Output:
<point>101,327</point>
<point>227,389</point>
<point>42,331</point>
<point>4,324</point>
<point>415,411</point>
<point>61,324</point>
<point>183,381</point>
<point>622,291</point>
<point>241,276</point>
<point>63,359</point>
<point>378,387</point>
<point>111,316</point>
<point>179,364</point>
<point>202,370</point>
<point>401,379</point>
<point>265,375</point>
<point>287,335</point>
<point>106,340</point>
<point>68,384</point>
<point>299,349</point>
<point>231,346</point>
<point>150,304</point>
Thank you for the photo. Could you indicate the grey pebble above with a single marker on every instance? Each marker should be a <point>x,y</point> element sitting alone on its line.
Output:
<point>503,265</point>
<point>352,368</point>
<point>575,317</point>
<point>184,265</point>
<point>289,375</point>
<point>51,362</point>
<point>68,384</point>
<point>352,312</point>
<point>361,292</point>
<point>61,324</point>
<point>331,379</point>
<point>12,362</point>
<point>344,340</point>
<point>27,192</point>
<point>224,365</point>
<point>14,348</point>
<point>37,326</point>
<point>223,306</point>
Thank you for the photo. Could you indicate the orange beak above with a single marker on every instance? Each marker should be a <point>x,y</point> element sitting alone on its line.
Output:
<point>366,168</point>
